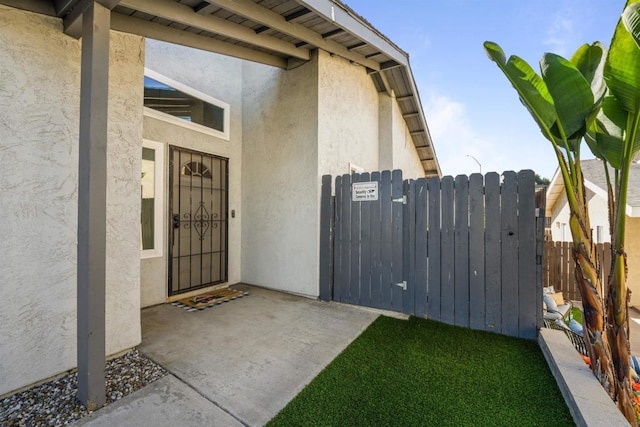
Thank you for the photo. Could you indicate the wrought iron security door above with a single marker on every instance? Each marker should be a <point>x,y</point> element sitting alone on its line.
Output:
<point>198,230</point>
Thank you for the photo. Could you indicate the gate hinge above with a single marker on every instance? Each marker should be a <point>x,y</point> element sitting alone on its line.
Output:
<point>402,200</point>
<point>403,285</point>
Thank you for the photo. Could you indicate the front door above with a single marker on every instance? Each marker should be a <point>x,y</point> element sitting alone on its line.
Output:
<point>198,228</point>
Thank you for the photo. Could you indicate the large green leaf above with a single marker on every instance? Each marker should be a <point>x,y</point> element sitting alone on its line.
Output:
<point>570,91</point>
<point>589,59</point>
<point>529,85</point>
<point>591,139</point>
<point>611,148</point>
<point>606,137</point>
<point>604,146</point>
<point>631,20</point>
<point>613,117</point>
<point>621,70</point>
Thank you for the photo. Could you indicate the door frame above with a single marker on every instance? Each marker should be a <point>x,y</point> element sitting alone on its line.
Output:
<point>169,222</point>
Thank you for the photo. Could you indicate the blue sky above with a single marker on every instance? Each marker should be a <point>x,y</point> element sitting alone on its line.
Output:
<point>470,107</point>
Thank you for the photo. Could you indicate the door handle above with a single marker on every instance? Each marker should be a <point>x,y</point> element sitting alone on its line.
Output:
<point>176,221</point>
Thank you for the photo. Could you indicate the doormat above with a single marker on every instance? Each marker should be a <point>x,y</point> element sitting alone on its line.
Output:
<point>210,299</point>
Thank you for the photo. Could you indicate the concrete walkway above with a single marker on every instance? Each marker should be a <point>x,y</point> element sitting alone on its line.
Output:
<point>234,364</point>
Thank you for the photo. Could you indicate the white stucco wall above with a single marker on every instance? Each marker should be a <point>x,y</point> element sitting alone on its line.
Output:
<point>123,192</point>
<point>347,117</point>
<point>220,77</point>
<point>396,150</point>
<point>632,247</point>
<point>39,119</point>
<point>279,180</point>
<point>405,156</point>
<point>385,131</point>
<point>598,216</point>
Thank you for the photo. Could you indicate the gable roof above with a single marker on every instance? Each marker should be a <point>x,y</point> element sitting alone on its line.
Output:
<point>280,33</point>
<point>596,181</point>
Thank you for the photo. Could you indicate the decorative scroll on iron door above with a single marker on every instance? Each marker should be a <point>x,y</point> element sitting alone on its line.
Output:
<point>198,230</point>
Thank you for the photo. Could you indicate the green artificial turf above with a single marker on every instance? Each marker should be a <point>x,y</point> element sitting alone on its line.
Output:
<point>425,373</point>
<point>576,314</point>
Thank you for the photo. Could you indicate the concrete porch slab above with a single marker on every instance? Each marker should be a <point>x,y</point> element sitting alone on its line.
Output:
<point>166,402</point>
<point>250,357</point>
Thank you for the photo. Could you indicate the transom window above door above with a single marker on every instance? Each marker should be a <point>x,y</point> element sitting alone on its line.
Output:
<point>196,169</point>
<point>172,101</point>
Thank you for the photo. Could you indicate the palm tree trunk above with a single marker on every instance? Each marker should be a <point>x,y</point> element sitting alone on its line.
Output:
<point>618,337</point>
<point>596,339</point>
<point>618,293</point>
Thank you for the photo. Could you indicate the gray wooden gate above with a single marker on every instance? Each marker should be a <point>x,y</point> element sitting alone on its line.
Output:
<point>465,251</point>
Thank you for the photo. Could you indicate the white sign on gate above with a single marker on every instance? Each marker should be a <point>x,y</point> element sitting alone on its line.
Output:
<point>364,191</point>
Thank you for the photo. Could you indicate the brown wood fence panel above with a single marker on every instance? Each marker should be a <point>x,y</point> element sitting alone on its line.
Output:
<point>462,251</point>
<point>558,268</point>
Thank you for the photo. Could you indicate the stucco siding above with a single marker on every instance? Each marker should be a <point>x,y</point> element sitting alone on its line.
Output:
<point>347,116</point>
<point>405,156</point>
<point>560,221</point>
<point>279,179</point>
<point>220,77</point>
<point>632,247</point>
<point>124,150</point>
<point>598,216</point>
<point>385,131</point>
<point>39,120</point>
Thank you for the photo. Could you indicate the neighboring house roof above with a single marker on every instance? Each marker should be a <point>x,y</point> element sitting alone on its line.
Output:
<point>595,180</point>
<point>276,32</point>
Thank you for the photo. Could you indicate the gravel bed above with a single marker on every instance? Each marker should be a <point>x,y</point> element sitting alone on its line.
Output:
<point>55,404</point>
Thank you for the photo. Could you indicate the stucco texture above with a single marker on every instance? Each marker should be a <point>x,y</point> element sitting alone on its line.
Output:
<point>598,216</point>
<point>347,116</point>
<point>632,247</point>
<point>280,175</point>
<point>39,120</point>
<point>220,77</point>
<point>124,153</point>
<point>396,148</point>
<point>405,155</point>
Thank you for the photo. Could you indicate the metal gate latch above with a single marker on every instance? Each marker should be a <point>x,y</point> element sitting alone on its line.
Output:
<point>403,285</point>
<point>402,200</point>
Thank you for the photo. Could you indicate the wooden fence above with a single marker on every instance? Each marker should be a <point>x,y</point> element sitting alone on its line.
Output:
<point>559,268</point>
<point>461,250</point>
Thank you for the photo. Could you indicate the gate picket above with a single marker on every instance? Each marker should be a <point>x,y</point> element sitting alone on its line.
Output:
<point>397,249</point>
<point>509,256</point>
<point>493,261</point>
<point>409,234</point>
<point>434,275</point>
<point>476,253</point>
<point>385,240</point>
<point>419,282</point>
<point>447,278</point>
<point>461,251</point>
<point>354,282</point>
<point>526,291</point>
<point>346,239</point>
<point>365,248</point>
<point>375,246</point>
<point>337,242</point>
